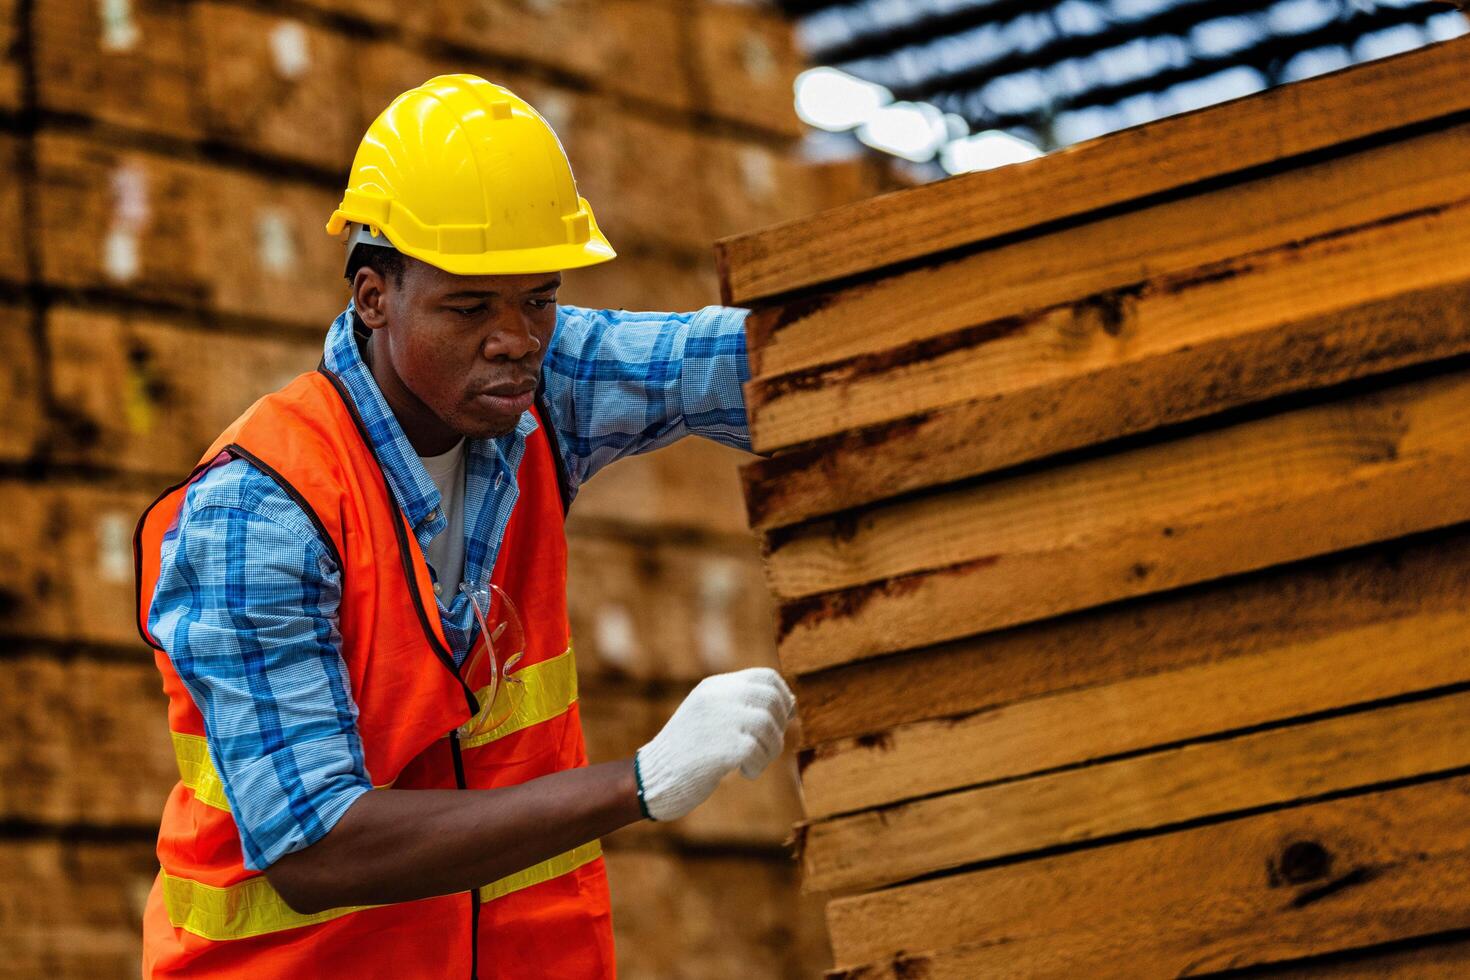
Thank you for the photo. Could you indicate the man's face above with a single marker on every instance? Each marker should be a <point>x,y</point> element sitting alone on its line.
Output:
<point>466,348</point>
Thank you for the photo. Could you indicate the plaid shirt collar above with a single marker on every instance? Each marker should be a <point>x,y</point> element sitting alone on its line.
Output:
<point>490,464</point>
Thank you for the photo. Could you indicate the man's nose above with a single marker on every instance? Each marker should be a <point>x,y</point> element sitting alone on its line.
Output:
<point>512,338</point>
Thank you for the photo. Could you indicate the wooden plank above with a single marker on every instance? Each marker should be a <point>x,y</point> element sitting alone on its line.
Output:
<point>148,226</point>
<point>125,64</point>
<point>754,184</point>
<point>403,19</point>
<point>1355,666</point>
<point>1141,793</point>
<point>641,195</point>
<point>276,85</point>
<point>55,771</point>
<point>692,485</point>
<point>73,910</point>
<point>634,49</point>
<point>1307,606</point>
<point>398,66</point>
<point>274,261</point>
<point>1369,467</point>
<point>939,446</point>
<point>12,86</point>
<point>149,395</point>
<point>643,280</point>
<point>15,263</point>
<point>66,562</point>
<point>20,384</point>
<point>937,307</point>
<point>746,63</point>
<point>120,219</point>
<point>1438,960</point>
<point>1172,153</point>
<point>648,609</point>
<point>647,55</point>
<point>673,915</point>
<point>1283,885</point>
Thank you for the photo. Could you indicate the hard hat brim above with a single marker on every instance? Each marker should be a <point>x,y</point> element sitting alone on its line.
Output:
<point>524,261</point>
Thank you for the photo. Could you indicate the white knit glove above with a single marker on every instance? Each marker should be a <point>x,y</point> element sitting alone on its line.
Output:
<point>729,721</point>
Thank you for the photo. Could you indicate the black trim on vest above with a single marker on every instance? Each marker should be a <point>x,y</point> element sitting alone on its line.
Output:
<point>240,452</point>
<point>405,553</point>
<point>563,479</point>
<point>138,552</point>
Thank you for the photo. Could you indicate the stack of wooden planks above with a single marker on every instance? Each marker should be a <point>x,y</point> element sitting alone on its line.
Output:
<point>1118,518</point>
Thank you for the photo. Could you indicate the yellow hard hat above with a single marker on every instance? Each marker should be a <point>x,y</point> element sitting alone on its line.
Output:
<point>465,175</point>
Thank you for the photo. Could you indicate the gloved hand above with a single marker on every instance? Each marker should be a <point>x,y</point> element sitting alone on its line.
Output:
<point>729,720</point>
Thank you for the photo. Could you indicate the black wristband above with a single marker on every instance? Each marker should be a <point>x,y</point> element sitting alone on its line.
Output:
<point>638,778</point>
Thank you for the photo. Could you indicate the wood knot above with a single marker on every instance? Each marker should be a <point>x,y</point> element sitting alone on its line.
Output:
<point>1304,861</point>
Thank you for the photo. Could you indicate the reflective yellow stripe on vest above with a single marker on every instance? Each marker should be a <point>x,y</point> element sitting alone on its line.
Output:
<point>253,907</point>
<point>551,687</point>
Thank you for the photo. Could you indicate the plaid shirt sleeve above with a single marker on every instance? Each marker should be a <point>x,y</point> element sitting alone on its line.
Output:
<point>620,383</point>
<point>246,608</point>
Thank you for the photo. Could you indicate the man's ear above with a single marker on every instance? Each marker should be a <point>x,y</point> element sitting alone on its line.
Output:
<point>370,297</point>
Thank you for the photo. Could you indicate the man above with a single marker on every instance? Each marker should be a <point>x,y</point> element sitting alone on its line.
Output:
<point>358,598</point>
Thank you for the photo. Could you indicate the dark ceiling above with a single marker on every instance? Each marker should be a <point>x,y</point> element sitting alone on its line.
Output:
<point>1062,71</point>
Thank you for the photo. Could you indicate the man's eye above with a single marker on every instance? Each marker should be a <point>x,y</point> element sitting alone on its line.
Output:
<point>468,311</point>
<point>542,304</point>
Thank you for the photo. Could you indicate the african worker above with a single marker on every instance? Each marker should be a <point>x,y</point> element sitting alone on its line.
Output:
<point>357,599</point>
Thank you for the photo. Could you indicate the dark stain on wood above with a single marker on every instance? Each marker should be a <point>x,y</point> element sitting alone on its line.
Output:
<point>811,610</point>
<point>901,967</point>
<point>1355,877</point>
<point>882,741</point>
<point>866,365</point>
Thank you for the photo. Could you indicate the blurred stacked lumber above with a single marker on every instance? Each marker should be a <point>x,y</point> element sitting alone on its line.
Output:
<point>166,168</point>
<point>1119,529</point>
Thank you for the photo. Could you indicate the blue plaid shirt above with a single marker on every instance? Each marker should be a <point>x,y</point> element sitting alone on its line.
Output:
<point>247,597</point>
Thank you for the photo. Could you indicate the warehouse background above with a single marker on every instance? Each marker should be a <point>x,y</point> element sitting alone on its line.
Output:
<point>165,170</point>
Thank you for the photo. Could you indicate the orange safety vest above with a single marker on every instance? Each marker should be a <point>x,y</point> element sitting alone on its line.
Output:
<point>207,915</point>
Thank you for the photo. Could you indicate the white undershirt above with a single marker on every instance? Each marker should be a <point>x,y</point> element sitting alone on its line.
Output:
<point>446,551</point>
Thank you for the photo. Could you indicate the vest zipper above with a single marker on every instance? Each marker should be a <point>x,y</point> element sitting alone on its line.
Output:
<point>460,782</point>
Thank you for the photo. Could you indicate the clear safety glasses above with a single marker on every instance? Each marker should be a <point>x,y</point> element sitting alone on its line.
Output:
<point>503,641</point>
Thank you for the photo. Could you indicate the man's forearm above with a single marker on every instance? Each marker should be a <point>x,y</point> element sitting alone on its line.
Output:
<point>401,845</point>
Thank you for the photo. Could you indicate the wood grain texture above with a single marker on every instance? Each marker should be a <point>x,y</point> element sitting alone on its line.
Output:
<point>711,916</point>
<point>1266,325</point>
<point>410,20</point>
<point>66,563</point>
<point>90,743</point>
<point>12,91</point>
<point>1368,869</point>
<point>1369,467</point>
<point>147,226</point>
<point>667,610</point>
<point>1354,665</point>
<point>128,65</point>
<point>746,62</point>
<point>149,395</point>
<point>20,384</point>
<point>984,299</point>
<point>1297,606</point>
<point>1171,153</point>
<point>73,910</point>
<point>693,485</point>
<point>277,85</point>
<point>15,263</point>
<point>1147,792</point>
